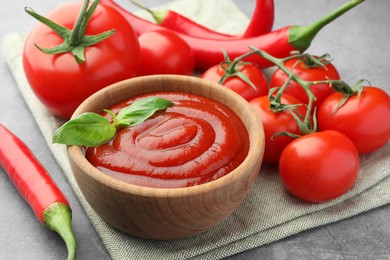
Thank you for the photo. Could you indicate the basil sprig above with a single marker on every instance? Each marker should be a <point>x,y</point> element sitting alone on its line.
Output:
<point>91,129</point>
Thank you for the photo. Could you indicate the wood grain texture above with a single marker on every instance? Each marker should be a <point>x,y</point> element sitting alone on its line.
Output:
<point>168,213</point>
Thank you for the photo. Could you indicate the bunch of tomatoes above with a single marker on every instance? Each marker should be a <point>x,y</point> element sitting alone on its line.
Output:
<point>315,125</point>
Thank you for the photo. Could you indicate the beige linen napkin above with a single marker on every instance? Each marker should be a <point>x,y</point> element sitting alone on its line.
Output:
<point>268,214</point>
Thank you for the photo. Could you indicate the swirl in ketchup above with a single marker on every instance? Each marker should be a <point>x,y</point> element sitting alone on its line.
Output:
<point>195,141</point>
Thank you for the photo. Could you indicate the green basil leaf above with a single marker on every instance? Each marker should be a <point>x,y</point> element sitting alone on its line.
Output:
<point>91,129</point>
<point>141,110</point>
<point>88,129</point>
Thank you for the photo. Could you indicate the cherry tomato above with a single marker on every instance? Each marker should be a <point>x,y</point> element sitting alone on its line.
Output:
<point>320,166</point>
<point>61,83</point>
<point>308,73</point>
<point>364,119</point>
<point>251,71</point>
<point>274,123</point>
<point>164,52</point>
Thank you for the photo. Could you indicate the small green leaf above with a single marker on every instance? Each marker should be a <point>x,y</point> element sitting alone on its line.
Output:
<point>342,87</point>
<point>141,110</point>
<point>359,86</point>
<point>91,129</point>
<point>88,129</point>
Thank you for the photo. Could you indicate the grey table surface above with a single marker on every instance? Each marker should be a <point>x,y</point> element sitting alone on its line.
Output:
<point>359,45</point>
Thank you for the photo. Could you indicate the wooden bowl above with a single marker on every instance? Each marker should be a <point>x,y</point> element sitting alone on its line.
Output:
<point>157,213</point>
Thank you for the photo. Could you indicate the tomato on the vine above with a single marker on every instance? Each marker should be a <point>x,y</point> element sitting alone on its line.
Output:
<point>319,166</point>
<point>237,84</point>
<point>277,122</point>
<point>364,117</point>
<point>164,52</point>
<point>309,71</point>
<point>61,81</point>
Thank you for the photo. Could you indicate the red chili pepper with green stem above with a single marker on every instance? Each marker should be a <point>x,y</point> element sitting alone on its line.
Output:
<point>279,43</point>
<point>176,22</point>
<point>261,22</point>
<point>37,187</point>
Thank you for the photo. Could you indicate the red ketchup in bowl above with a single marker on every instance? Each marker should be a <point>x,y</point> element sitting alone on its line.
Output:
<point>195,141</point>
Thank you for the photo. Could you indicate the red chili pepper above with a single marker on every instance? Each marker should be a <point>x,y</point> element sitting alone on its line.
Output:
<point>139,25</point>
<point>262,19</point>
<point>261,22</point>
<point>172,20</point>
<point>36,186</point>
<point>279,43</point>
<point>182,24</point>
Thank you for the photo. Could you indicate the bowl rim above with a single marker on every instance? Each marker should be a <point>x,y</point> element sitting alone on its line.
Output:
<point>256,144</point>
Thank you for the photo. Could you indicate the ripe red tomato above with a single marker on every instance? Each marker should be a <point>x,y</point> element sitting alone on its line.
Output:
<point>164,52</point>
<point>251,71</point>
<point>308,73</point>
<point>365,119</point>
<point>61,83</point>
<point>274,123</point>
<point>320,166</point>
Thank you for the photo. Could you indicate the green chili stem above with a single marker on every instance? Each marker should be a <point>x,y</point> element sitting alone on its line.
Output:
<point>158,16</point>
<point>58,217</point>
<point>301,36</point>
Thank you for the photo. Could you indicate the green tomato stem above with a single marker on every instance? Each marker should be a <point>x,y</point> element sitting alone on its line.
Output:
<point>231,69</point>
<point>74,37</point>
<point>75,40</point>
<point>292,76</point>
<point>305,126</point>
<point>279,94</point>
